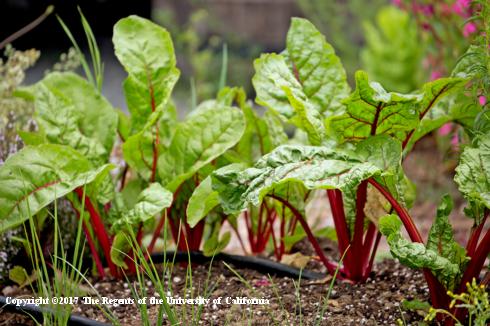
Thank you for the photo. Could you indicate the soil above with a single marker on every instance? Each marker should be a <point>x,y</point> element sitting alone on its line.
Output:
<point>378,301</point>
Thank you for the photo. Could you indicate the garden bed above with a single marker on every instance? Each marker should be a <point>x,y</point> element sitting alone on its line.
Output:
<point>378,301</point>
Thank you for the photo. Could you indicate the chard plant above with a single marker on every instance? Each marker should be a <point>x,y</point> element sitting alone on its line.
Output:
<point>356,142</point>
<point>453,265</point>
<point>269,225</point>
<point>70,153</point>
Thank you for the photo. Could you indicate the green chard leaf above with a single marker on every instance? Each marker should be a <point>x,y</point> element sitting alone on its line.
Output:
<point>228,95</point>
<point>202,201</point>
<point>371,110</point>
<point>71,112</point>
<point>146,51</point>
<point>386,153</point>
<point>415,254</point>
<point>36,176</point>
<point>304,83</point>
<point>95,115</point>
<point>316,67</point>
<point>441,238</point>
<point>138,148</point>
<point>206,134</point>
<point>150,202</point>
<point>472,63</point>
<point>435,108</point>
<point>307,119</point>
<point>262,135</point>
<point>314,167</point>
<point>215,244</point>
<point>473,174</point>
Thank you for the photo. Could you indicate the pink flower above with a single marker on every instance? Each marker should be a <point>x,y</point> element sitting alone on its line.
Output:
<point>460,7</point>
<point>397,3</point>
<point>469,29</point>
<point>455,141</point>
<point>435,75</point>
<point>482,100</point>
<point>427,10</point>
<point>445,129</point>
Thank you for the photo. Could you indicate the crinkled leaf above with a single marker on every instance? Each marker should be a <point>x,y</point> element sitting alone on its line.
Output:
<point>441,238</point>
<point>36,176</point>
<point>220,184</point>
<point>150,202</point>
<point>481,125</point>
<point>472,63</point>
<point>94,115</point>
<point>61,120</point>
<point>415,254</point>
<point>202,201</point>
<point>386,152</point>
<point>308,120</point>
<point>228,95</point>
<point>435,90</point>
<point>314,167</point>
<point>146,51</point>
<point>305,82</point>
<point>383,151</point>
<point>456,108</point>
<point>204,136</point>
<point>316,66</point>
<point>473,174</point>
<point>371,110</point>
<point>71,112</point>
<point>272,74</point>
<point>435,109</point>
<point>275,128</point>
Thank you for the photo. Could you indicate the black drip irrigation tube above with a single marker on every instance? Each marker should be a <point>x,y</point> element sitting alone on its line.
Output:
<point>37,312</point>
<point>261,265</point>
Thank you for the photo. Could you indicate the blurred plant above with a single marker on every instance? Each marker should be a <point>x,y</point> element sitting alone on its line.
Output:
<point>475,300</point>
<point>68,61</point>
<point>341,22</point>
<point>474,64</point>
<point>393,51</point>
<point>447,29</point>
<point>14,112</point>
<point>198,50</point>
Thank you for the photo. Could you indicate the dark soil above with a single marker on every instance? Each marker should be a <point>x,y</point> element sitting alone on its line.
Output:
<point>376,302</point>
